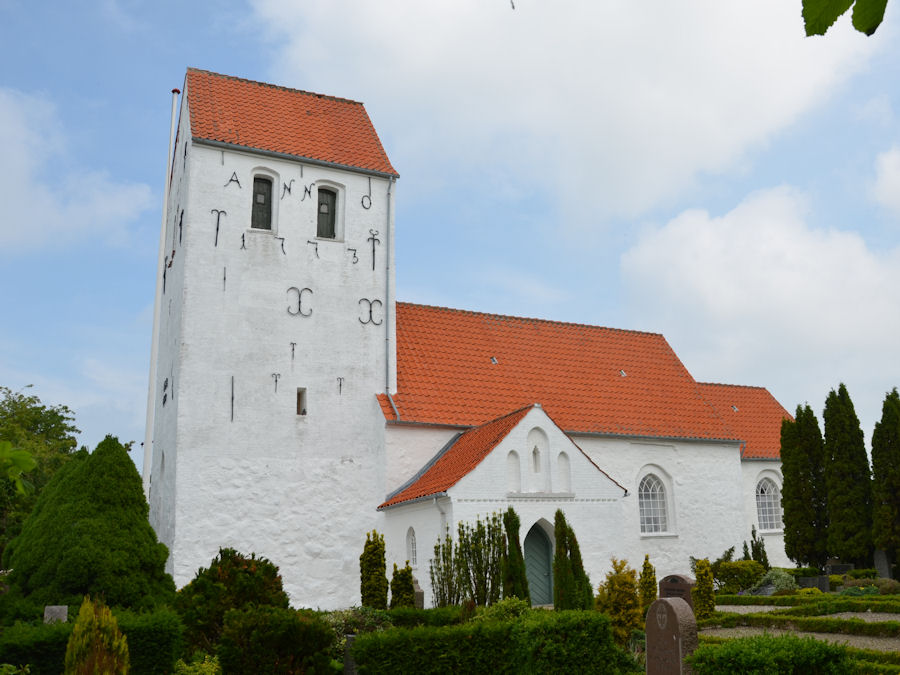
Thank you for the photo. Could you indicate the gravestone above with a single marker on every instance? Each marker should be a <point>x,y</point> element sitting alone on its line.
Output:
<point>419,595</point>
<point>56,613</point>
<point>677,586</point>
<point>883,564</point>
<point>838,568</point>
<point>821,582</point>
<point>349,663</point>
<point>671,636</point>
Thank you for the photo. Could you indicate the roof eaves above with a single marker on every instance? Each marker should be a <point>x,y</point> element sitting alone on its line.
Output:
<point>430,463</point>
<point>407,502</point>
<point>296,158</point>
<point>609,434</point>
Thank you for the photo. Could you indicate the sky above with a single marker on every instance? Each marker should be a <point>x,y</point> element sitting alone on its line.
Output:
<point>698,169</point>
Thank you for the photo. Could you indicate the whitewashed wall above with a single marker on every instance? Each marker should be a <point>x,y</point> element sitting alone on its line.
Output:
<point>300,490</point>
<point>752,472</point>
<point>410,447</point>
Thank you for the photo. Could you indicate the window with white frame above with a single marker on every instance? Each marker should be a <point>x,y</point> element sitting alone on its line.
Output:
<point>652,504</point>
<point>768,505</point>
<point>411,547</point>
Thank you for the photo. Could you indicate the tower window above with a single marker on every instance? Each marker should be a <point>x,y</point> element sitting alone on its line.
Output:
<point>261,218</point>
<point>301,401</point>
<point>326,213</point>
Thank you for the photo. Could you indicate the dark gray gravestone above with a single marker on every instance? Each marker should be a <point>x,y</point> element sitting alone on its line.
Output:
<point>838,568</point>
<point>56,613</point>
<point>677,586</point>
<point>349,663</point>
<point>821,582</point>
<point>671,636</point>
<point>882,564</point>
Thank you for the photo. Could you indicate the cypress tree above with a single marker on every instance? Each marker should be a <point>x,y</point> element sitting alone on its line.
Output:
<point>848,482</point>
<point>647,585</point>
<point>886,477</point>
<point>515,580</point>
<point>803,496</point>
<point>584,594</point>
<point>373,583</point>
<point>403,593</point>
<point>563,578</point>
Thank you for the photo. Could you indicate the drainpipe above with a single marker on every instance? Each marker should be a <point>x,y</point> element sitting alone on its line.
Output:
<point>154,346</point>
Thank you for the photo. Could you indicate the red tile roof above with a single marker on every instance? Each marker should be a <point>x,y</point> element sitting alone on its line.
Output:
<point>587,378</point>
<point>462,455</point>
<point>752,413</point>
<point>289,121</point>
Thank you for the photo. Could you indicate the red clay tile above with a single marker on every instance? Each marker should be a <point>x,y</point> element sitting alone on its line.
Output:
<point>752,413</point>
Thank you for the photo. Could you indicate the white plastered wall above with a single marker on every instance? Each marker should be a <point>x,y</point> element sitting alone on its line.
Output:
<point>752,471</point>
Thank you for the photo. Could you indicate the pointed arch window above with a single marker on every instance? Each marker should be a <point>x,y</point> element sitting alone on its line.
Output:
<point>768,505</point>
<point>652,504</point>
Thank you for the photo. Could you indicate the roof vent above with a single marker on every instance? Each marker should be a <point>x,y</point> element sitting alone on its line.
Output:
<point>623,373</point>
<point>494,360</point>
<point>734,407</point>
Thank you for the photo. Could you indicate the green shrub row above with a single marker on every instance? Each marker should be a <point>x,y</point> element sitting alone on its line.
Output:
<point>154,643</point>
<point>738,575</point>
<point>407,617</point>
<point>803,571</point>
<point>816,624</point>
<point>777,600</point>
<point>537,642</point>
<point>768,654</point>
<point>837,604</point>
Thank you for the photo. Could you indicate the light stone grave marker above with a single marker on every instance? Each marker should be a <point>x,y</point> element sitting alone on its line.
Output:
<point>56,613</point>
<point>671,636</point>
<point>883,564</point>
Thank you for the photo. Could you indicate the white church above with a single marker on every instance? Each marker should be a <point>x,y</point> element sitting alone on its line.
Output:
<point>295,404</point>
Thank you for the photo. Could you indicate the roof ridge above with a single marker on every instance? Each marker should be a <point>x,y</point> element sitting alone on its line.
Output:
<point>329,97</point>
<point>531,319</point>
<point>741,386</point>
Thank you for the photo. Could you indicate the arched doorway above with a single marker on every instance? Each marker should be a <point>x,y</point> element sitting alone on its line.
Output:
<point>539,566</point>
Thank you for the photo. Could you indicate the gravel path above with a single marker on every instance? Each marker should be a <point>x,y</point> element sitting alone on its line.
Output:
<point>746,609</point>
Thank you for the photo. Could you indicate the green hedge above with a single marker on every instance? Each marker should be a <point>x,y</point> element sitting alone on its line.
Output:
<point>777,600</point>
<point>771,655</point>
<point>739,575</point>
<point>154,641</point>
<point>407,617</point>
<point>539,642</point>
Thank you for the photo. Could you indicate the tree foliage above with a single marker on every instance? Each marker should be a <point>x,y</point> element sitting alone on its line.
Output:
<point>88,534</point>
<point>444,573</point>
<point>515,579</point>
<point>848,482</point>
<point>820,15</point>
<point>402,592</point>
<point>618,599</point>
<point>373,583</point>
<point>44,433</point>
<point>886,476</point>
<point>571,586</point>
<point>478,554</point>
<point>232,581</point>
<point>647,585</point>
<point>96,644</point>
<point>702,593</point>
<point>804,493</point>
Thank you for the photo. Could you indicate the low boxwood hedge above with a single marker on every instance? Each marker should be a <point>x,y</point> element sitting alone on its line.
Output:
<point>770,655</point>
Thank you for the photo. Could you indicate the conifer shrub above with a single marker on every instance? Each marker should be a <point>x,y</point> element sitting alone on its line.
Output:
<point>96,644</point>
<point>402,592</point>
<point>515,579</point>
<point>647,585</point>
<point>373,583</point>
<point>231,581</point>
<point>268,639</point>
<point>739,575</point>
<point>702,593</point>
<point>618,599</point>
<point>571,585</point>
<point>89,534</point>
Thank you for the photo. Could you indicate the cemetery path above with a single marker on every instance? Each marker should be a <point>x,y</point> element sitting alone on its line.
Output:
<point>881,644</point>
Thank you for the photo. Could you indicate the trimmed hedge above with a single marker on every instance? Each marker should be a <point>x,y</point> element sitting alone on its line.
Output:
<point>739,575</point>
<point>408,617</point>
<point>154,642</point>
<point>770,655</point>
<point>539,642</point>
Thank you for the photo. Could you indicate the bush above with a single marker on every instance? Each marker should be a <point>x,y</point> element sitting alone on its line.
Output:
<point>231,581</point>
<point>809,591</point>
<point>867,573</point>
<point>647,585</point>
<point>270,639</point>
<point>888,586</point>
<point>89,534</point>
<point>618,599</point>
<point>96,644</point>
<point>436,616</point>
<point>355,621</point>
<point>803,571</point>
<point>373,583</point>
<point>41,646</point>
<point>739,575</point>
<point>479,550</point>
<point>771,655</point>
<point>777,577</point>
<point>201,664</point>
<point>402,592</point>
<point>835,581</point>
<point>702,593</point>
<point>507,609</point>
<point>857,591</point>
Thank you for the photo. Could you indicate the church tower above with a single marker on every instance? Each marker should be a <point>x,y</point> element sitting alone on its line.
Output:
<point>275,333</point>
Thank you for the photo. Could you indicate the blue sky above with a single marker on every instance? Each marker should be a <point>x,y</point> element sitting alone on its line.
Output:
<point>698,169</point>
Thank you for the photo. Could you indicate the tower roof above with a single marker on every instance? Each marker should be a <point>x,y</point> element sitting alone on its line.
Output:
<point>255,115</point>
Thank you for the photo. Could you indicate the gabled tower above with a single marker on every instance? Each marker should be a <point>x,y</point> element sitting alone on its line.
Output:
<point>276,331</point>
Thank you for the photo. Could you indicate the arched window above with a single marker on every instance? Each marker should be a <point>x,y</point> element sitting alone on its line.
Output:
<point>327,210</point>
<point>411,547</point>
<point>564,473</point>
<point>261,216</point>
<point>513,472</point>
<point>652,504</point>
<point>768,505</point>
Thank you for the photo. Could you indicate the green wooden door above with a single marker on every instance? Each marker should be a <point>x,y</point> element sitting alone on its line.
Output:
<point>538,566</point>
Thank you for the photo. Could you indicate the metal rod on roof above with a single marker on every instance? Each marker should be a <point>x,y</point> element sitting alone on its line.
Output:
<point>160,272</point>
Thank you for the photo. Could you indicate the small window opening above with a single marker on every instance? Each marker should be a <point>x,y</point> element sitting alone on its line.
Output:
<point>301,401</point>
<point>261,217</point>
<point>327,207</point>
<point>623,373</point>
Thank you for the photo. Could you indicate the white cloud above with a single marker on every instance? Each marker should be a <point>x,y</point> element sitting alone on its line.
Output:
<point>42,207</point>
<point>620,102</point>
<point>759,296</point>
<point>887,179</point>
